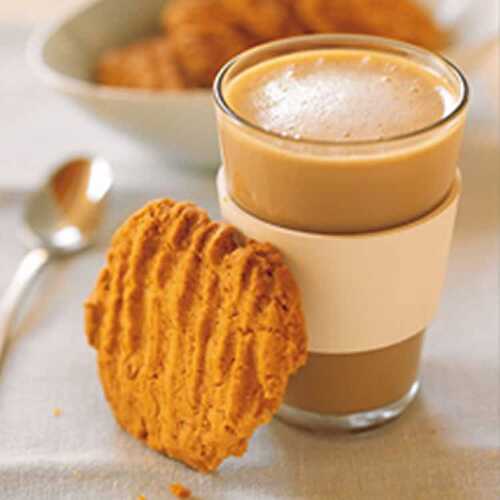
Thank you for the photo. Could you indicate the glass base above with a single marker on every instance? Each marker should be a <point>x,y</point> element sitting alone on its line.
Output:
<point>354,421</point>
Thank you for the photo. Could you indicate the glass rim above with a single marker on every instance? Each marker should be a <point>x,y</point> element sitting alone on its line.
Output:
<point>222,104</point>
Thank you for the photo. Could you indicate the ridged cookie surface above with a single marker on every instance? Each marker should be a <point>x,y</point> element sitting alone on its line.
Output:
<point>197,331</point>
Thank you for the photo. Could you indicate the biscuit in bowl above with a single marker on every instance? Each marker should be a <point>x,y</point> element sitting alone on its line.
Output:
<point>403,20</point>
<point>265,19</point>
<point>147,64</point>
<point>202,49</point>
<point>197,330</point>
<point>178,13</point>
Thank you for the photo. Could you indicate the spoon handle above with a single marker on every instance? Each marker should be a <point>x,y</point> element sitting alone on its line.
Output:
<point>26,273</point>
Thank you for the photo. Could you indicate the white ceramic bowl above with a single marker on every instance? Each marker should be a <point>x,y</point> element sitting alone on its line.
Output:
<point>178,124</point>
<point>181,124</point>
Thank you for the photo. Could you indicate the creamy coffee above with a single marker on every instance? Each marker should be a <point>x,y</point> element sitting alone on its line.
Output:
<point>342,140</point>
<point>342,384</point>
<point>317,153</point>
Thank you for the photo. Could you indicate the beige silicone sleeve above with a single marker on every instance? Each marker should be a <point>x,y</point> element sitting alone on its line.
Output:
<point>365,291</point>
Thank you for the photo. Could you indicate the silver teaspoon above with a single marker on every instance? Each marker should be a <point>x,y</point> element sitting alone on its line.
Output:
<point>60,219</point>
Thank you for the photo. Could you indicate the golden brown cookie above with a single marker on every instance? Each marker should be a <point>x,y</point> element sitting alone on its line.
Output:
<point>178,13</point>
<point>197,330</point>
<point>403,20</point>
<point>202,49</point>
<point>266,19</point>
<point>263,20</point>
<point>325,16</point>
<point>148,64</point>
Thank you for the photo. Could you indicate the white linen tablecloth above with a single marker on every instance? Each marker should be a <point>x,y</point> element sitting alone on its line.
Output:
<point>445,447</point>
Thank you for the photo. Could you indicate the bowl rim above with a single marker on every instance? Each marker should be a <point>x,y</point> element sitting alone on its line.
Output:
<point>51,77</point>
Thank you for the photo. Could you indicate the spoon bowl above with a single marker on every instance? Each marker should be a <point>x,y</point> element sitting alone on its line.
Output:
<point>65,214</point>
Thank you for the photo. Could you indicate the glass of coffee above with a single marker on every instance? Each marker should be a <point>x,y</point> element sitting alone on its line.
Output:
<point>347,140</point>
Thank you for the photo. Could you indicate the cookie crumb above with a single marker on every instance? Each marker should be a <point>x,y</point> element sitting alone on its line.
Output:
<point>57,412</point>
<point>180,491</point>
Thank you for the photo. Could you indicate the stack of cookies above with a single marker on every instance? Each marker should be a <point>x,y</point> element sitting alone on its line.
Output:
<point>200,36</point>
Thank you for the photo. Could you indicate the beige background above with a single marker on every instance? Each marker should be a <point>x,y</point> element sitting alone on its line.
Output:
<point>446,447</point>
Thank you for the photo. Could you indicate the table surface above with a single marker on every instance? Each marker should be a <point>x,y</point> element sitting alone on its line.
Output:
<point>446,446</point>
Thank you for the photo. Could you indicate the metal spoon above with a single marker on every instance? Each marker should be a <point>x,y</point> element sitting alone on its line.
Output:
<point>60,219</point>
